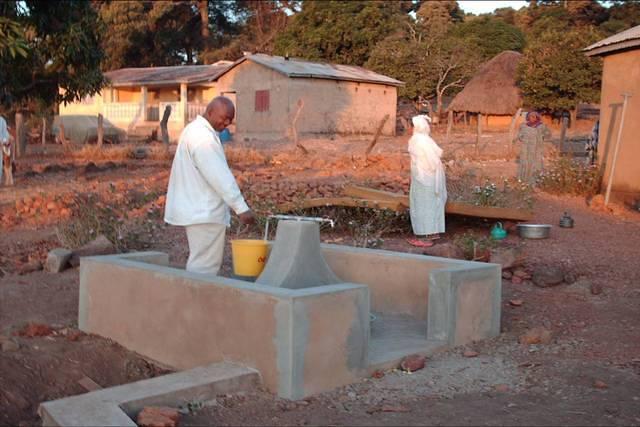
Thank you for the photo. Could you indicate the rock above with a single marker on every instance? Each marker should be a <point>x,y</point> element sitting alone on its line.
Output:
<point>470,353</point>
<point>158,416</point>
<point>388,408</point>
<point>516,280</point>
<point>75,335</point>
<point>538,335</point>
<point>58,260</point>
<point>595,289</point>
<point>413,363</point>
<point>547,276</point>
<point>30,267</point>
<point>521,274</point>
<point>445,250</point>
<point>600,385</point>
<point>100,246</point>
<point>516,302</point>
<point>35,330</point>
<point>501,388</point>
<point>507,274</point>
<point>569,278</point>
<point>506,257</point>
<point>9,345</point>
<point>378,374</point>
<point>140,153</point>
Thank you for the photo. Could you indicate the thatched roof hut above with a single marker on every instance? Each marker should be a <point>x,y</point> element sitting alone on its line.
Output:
<point>493,90</point>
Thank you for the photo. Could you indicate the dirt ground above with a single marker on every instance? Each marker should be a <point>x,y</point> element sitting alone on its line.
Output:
<point>588,374</point>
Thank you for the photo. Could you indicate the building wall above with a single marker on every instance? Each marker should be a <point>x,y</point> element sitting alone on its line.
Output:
<point>332,106</point>
<point>329,106</point>
<point>88,106</point>
<point>245,80</point>
<point>621,74</point>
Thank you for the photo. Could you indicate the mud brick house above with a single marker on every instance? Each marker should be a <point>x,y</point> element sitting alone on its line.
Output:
<point>267,90</point>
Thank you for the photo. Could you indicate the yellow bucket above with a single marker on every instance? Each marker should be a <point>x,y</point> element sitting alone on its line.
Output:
<point>249,256</point>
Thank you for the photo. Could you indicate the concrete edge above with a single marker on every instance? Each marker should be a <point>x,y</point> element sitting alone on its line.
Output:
<point>117,406</point>
<point>442,260</point>
<point>205,280</point>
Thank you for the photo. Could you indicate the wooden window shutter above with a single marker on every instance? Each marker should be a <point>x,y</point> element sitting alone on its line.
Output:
<point>262,100</point>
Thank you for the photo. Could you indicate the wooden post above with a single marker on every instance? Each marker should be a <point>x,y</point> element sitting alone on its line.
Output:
<point>626,97</point>
<point>20,136</point>
<point>163,125</point>
<point>44,131</point>
<point>479,133</point>
<point>143,102</point>
<point>294,130</point>
<point>449,125</point>
<point>465,119</point>
<point>377,134</point>
<point>563,133</point>
<point>512,128</point>
<point>183,104</point>
<point>63,138</point>
<point>100,130</point>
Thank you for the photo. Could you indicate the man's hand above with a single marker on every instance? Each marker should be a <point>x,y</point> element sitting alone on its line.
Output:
<point>247,217</point>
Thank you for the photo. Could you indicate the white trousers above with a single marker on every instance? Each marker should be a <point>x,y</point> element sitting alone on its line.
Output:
<point>206,246</point>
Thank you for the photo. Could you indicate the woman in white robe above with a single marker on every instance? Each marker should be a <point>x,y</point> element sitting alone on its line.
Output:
<point>428,193</point>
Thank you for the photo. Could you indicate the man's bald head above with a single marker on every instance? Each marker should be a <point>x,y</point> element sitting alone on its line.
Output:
<point>220,113</point>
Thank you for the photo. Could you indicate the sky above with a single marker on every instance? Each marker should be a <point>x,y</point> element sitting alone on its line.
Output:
<point>486,6</point>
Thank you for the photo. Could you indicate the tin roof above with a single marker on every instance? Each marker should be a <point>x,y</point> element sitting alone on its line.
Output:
<point>294,68</point>
<point>625,40</point>
<point>298,68</point>
<point>160,76</point>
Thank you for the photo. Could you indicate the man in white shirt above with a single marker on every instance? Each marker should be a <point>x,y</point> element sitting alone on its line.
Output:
<point>202,188</point>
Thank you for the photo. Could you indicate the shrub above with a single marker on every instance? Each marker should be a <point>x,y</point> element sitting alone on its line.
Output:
<point>473,246</point>
<point>568,176</point>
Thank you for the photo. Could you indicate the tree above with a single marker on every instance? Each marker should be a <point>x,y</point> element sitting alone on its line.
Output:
<point>338,31</point>
<point>490,35</point>
<point>147,33</point>
<point>555,75</point>
<point>431,63</point>
<point>622,16</point>
<point>262,21</point>
<point>12,40</point>
<point>62,52</point>
<point>437,17</point>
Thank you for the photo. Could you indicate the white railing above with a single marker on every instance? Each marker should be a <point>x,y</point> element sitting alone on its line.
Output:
<point>131,112</point>
<point>122,111</point>
<point>193,109</point>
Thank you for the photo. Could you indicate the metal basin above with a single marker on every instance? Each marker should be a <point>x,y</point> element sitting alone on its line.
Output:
<point>534,231</point>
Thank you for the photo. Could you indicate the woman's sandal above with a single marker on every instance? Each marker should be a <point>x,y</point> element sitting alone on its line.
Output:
<point>419,243</point>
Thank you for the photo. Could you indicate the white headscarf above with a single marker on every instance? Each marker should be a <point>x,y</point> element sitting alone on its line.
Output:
<point>425,157</point>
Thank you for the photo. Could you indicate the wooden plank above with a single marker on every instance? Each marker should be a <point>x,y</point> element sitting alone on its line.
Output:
<point>370,197</point>
<point>458,208</point>
<point>343,201</point>
<point>372,193</point>
<point>453,208</point>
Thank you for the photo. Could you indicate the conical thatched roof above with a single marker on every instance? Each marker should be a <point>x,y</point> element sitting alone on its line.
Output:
<point>493,89</point>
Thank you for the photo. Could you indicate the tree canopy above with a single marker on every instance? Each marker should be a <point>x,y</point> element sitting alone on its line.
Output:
<point>433,46</point>
<point>338,31</point>
<point>554,73</point>
<point>57,52</point>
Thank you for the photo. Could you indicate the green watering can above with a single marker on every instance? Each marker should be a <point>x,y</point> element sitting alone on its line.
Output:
<point>497,232</point>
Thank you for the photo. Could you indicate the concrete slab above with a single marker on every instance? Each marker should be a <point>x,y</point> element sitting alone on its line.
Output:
<point>118,406</point>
